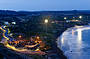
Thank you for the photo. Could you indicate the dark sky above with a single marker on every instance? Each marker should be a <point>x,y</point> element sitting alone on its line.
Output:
<point>44,5</point>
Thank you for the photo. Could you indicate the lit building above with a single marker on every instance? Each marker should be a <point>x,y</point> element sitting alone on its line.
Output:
<point>14,23</point>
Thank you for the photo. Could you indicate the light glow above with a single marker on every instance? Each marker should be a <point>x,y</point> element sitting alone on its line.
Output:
<point>46,20</point>
<point>65,18</point>
<point>79,34</point>
<point>80,17</point>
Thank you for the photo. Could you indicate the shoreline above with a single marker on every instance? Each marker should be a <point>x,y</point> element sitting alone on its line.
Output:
<point>77,41</point>
<point>59,51</point>
<point>61,54</point>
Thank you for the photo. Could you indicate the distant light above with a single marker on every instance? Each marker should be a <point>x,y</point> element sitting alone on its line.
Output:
<point>46,20</point>
<point>75,20</point>
<point>67,21</point>
<point>6,23</point>
<point>38,37</point>
<point>4,26</point>
<point>11,34</point>
<point>65,18</point>
<point>73,17</point>
<point>80,17</point>
<point>20,36</point>
<point>13,22</point>
<point>37,49</point>
<point>52,22</point>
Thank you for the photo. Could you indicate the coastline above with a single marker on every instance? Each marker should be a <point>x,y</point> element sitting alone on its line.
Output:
<point>73,47</point>
<point>59,51</point>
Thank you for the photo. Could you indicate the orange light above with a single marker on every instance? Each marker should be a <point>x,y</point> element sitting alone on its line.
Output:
<point>38,37</point>
<point>20,36</point>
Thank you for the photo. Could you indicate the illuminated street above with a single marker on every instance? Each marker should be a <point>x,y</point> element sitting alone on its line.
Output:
<point>33,35</point>
<point>44,29</point>
<point>5,32</point>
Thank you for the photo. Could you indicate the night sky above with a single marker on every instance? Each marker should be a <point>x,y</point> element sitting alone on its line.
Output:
<point>44,5</point>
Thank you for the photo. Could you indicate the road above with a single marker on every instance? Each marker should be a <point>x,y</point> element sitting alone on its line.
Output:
<point>17,50</point>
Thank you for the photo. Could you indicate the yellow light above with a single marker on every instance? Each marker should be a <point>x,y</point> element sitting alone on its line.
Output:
<point>37,49</point>
<point>13,48</point>
<point>65,18</point>
<point>9,46</point>
<point>20,36</point>
<point>4,33</point>
<point>38,37</point>
<point>46,20</point>
<point>8,31</point>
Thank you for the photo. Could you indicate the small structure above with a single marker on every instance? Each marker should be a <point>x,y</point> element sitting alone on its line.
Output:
<point>13,23</point>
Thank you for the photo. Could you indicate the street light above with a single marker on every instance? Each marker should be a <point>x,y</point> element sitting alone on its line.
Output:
<point>80,17</point>
<point>46,21</point>
<point>38,37</point>
<point>20,36</point>
<point>65,18</point>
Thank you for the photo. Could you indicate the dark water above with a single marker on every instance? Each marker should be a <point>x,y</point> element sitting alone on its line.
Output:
<point>86,36</point>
